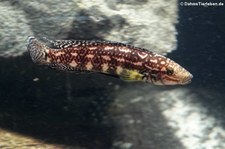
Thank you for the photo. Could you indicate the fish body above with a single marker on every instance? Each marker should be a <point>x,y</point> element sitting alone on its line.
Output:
<point>125,61</point>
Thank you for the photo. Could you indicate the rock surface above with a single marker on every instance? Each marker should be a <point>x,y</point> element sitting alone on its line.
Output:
<point>149,24</point>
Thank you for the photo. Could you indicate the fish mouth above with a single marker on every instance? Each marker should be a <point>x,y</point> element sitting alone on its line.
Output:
<point>187,79</point>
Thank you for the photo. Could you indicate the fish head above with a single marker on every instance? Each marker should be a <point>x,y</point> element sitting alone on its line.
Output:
<point>168,72</point>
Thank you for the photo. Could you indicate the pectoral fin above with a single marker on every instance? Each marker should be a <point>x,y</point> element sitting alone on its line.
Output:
<point>131,75</point>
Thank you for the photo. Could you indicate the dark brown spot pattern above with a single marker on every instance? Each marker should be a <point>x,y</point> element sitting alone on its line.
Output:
<point>99,56</point>
<point>112,58</point>
<point>98,53</point>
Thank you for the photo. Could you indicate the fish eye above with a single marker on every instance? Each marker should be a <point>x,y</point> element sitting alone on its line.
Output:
<point>169,71</point>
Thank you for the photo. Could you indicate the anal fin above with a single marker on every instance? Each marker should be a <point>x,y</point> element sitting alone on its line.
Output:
<point>63,67</point>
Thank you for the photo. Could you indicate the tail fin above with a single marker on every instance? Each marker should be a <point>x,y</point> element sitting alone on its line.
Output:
<point>37,50</point>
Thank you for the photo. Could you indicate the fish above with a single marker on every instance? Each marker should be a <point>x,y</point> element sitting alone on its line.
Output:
<point>125,61</point>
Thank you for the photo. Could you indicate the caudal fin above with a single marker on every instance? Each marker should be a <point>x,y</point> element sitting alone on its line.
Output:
<point>37,50</point>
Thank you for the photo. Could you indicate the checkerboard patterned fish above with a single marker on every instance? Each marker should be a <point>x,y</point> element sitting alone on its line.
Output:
<point>116,59</point>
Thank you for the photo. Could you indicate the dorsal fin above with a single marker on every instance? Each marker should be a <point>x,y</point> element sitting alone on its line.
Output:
<point>61,44</point>
<point>58,44</point>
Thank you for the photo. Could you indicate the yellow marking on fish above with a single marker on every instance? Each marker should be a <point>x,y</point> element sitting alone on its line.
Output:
<point>73,64</point>
<point>59,53</point>
<point>154,60</point>
<point>119,70</point>
<point>89,66</point>
<point>131,75</point>
<point>137,63</point>
<point>48,60</point>
<point>92,48</point>
<point>109,48</point>
<point>105,67</point>
<point>162,62</point>
<point>124,49</point>
<point>74,54</point>
<point>120,59</point>
<point>143,56</point>
<point>105,57</point>
<point>90,56</point>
